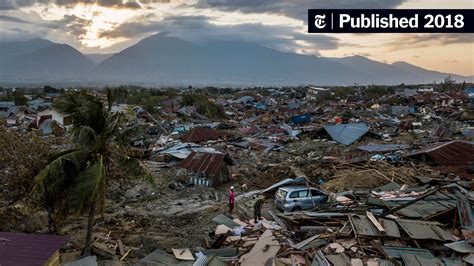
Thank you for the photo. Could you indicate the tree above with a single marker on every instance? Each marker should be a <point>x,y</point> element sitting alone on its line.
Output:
<point>110,98</point>
<point>75,179</point>
<point>23,156</point>
<point>19,97</point>
<point>449,84</point>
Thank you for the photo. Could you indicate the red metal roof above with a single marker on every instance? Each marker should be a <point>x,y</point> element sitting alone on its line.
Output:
<point>249,130</point>
<point>450,153</point>
<point>453,156</point>
<point>28,249</point>
<point>208,164</point>
<point>200,134</point>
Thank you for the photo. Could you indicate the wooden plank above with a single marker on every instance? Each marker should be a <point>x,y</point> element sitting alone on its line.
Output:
<point>120,247</point>
<point>53,260</point>
<point>374,221</point>
<point>182,254</point>
<point>125,255</point>
<point>264,250</point>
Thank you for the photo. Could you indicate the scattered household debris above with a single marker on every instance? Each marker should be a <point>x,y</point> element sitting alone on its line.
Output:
<point>397,171</point>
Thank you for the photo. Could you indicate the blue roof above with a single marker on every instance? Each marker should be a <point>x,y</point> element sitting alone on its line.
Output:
<point>347,133</point>
<point>47,127</point>
<point>261,106</point>
<point>468,132</point>
<point>244,99</point>
<point>6,104</point>
<point>469,90</point>
<point>383,147</point>
<point>12,110</point>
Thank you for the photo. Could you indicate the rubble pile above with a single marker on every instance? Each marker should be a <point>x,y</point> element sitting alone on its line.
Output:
<point>385,180</point>
<point>391,224</point>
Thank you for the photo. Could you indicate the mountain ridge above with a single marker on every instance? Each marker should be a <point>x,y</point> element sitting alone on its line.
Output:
<point>161,59</point>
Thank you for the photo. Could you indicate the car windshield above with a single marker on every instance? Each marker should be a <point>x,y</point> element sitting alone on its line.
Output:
<point>299,194</point>
<point>281,193</point>
<point>315,192</point>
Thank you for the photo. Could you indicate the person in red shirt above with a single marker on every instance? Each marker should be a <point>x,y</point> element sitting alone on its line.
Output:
<point>231,199</point>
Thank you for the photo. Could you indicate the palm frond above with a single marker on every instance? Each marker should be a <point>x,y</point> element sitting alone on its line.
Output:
<point>85,110</point>
<point>123,136</point>
<point>59,173</point>
<point>90,185</point>
<point>84,135</point>
<point>135,167</point>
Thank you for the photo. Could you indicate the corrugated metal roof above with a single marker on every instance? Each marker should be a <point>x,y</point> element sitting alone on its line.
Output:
<point>364,227</point>
<point>453,262</point>
<point>461,246</point>
<point>339,259</point>
<point>208,164</point>
<point>319,259</point>
<point>223,219</point>
<point>249,130</point>
<point>200,134</point>
<point>425,230</point>
<point>423,209</point>
<point>347,133</point>
<point>454,157</point>
<point>209,261</point>
<point>420,260</point>
<point>160,257</point>
<point>383,147</point>
<point>396,252</point>
<point>449,153</point>
<point>28,249</point>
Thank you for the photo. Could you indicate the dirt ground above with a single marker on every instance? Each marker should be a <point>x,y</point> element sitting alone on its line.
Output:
<point>169,214</point>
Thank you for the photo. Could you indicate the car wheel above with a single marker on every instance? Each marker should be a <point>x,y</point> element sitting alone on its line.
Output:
<point>295,209</point>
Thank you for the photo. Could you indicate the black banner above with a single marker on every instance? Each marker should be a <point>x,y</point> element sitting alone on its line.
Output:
<point>390,20</point>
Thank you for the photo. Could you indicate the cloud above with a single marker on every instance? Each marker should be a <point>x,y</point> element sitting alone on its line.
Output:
<point>358,54</point>
<point>7,5</point>
<point>201,29</point>
<point>294,8</point>
<point>72,25</point>
<point>410,41</point>
<point>6,18</point>
<point>16,4</point>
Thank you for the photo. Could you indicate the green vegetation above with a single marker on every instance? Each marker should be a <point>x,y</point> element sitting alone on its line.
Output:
<point>375,92</point>
<point>19,97</point>
<point>75,180</point>
<point>23,156</point>
<point>203,105</point>
<point>147,98</point>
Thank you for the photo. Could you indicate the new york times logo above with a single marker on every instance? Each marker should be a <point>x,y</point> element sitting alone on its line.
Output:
<point>390,21</point>
<point>319,21</point>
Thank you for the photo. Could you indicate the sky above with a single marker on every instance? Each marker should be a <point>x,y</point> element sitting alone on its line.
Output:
<point>109,26</point>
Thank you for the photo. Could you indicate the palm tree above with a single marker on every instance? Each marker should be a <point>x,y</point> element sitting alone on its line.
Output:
<point>76,179</point>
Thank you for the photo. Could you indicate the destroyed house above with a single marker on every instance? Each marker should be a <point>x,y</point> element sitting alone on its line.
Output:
<point>30,249</point>
<point>300,119</point>
<point>200,134</point>
<point>347,134</point>
<point>454,156</point>
<point>315,93</point>
<point>171,105</point>
<point>469,92</point>
<point>209,169</point>
<point>443,99</point>
<point>366,152</point>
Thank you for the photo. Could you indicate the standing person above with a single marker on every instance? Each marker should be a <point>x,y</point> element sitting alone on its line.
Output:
<point>257,209</point>
<point>231,199</point>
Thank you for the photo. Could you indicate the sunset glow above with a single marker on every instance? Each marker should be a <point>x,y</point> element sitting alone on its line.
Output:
<point>98,28</point>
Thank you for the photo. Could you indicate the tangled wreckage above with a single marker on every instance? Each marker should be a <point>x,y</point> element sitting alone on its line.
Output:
<point>398,183</point>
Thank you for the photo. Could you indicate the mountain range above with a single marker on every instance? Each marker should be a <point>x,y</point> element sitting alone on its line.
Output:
<point>165,60</point>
